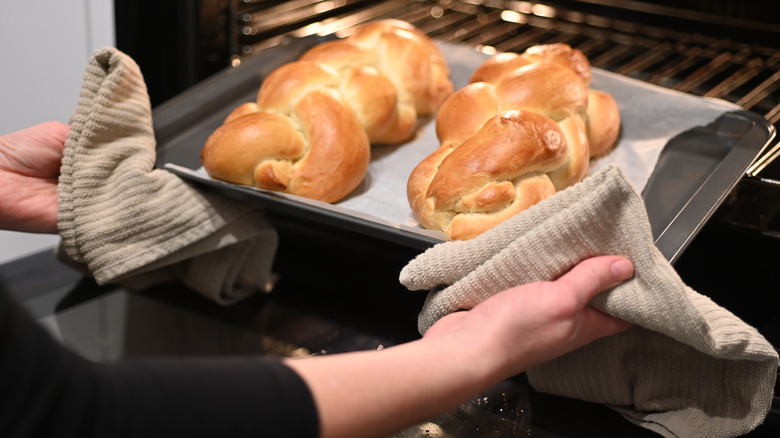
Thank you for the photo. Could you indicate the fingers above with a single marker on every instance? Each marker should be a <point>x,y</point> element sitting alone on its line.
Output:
<point>586,280</point>
<point>49,135</point>
<point>35,151</point>
<point>57,131</point>
<point>599,325</point>
<point>30,162</point>
<point>595,275</point>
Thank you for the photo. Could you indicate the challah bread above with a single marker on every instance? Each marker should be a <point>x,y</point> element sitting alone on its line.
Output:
<point>309,132</point>
<point>524,127</point>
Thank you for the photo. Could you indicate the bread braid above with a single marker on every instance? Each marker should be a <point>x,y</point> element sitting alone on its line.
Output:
<point>310,130</point>
<point>525,126</point>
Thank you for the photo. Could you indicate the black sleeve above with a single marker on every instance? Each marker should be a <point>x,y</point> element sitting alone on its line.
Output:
<point>46,390</point>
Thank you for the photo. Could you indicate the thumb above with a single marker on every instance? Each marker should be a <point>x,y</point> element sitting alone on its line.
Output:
<point>595,275</point>
<point>590,278</point>
<point>597,325</point>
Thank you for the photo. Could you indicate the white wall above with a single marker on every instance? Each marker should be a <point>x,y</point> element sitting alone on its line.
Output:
<point>44,47</point>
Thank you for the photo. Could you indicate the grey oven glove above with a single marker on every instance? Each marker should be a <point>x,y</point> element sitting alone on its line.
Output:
<point>126,222</point>
<point>687,368</point>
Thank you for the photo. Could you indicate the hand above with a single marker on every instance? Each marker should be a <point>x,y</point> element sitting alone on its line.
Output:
<point>29,169</point>
<point>378,393</point>
<point>534,323</point>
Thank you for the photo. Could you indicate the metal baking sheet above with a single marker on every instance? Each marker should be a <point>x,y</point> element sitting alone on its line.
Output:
<point>683,152</point>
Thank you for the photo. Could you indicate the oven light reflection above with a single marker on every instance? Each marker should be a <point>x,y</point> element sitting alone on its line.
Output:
<point>513,17</point>
<point>322,29</point>
<point>327,6</point>
<point>323,7</point>
<point>488,50</point>
<point>544,11</point>
<point>517,12</point>
<point>310,29</point>
<point>524,7</point>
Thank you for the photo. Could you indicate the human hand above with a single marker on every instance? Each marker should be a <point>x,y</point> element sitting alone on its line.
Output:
<point>29,169</point>
<point>462,354</point>
<point>528,325</point>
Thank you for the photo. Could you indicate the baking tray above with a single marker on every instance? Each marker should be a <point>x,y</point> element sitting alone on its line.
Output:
<point>700,149</point>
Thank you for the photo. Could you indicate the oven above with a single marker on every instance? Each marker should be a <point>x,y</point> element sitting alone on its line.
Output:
<point>340,292</point>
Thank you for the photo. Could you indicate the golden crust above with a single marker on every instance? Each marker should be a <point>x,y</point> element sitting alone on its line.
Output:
<point>520,131</point>
<point>338,154</point>
<point>548,89</point>
<point>561,54</point>
<point>331,104</point>
<point>496,67</point>
<point>532,189</point>
<point>234,149</point>
<point>465,112</point>
<point>508,146</point>
<point>603,122</point>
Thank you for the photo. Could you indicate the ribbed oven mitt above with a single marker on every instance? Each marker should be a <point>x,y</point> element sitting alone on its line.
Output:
<point>128,223</point>
<point>687,368</point>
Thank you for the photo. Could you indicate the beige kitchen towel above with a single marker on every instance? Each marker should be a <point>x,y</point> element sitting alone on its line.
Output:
<point>687,368</point>
<point>126,222</point>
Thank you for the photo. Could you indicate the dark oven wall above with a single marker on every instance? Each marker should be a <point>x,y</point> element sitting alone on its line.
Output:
<point>176,43</point>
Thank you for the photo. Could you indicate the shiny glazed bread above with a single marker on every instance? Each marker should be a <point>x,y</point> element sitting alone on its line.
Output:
<point>310,130</point>
<point>525,126</point>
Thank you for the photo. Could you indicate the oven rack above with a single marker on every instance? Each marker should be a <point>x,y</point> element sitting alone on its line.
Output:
<point>712,66</point>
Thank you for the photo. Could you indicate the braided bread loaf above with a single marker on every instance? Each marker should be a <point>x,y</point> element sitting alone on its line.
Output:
<point>310,130</point>
<point>525,126</point>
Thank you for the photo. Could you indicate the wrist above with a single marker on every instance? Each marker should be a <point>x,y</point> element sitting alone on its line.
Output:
<point>484,362</point>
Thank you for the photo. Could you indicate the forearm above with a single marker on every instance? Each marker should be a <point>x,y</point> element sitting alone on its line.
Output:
<point>46,389</point>
<point>50,391</point>
<point>376,393</point>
